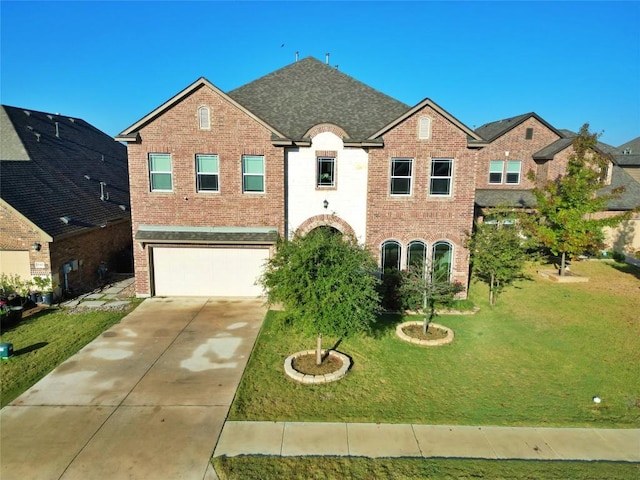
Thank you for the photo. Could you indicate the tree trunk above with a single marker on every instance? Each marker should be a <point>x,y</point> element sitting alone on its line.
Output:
<point>563,265</point>
<point>319,350</point>
<point>491,290</point>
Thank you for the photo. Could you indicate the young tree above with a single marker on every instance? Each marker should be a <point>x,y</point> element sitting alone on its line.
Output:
<point>564,220</point>
<point>425,288</point>
<point>498,254</point>
<point>326,283</point>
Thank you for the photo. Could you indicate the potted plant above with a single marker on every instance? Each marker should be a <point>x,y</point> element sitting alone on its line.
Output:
<point>45,287</point>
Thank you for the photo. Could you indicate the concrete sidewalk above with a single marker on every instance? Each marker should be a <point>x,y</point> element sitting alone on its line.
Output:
<point>403,440</point>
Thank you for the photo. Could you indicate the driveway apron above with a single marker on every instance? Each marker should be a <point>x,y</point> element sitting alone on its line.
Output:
<point>146,399</point>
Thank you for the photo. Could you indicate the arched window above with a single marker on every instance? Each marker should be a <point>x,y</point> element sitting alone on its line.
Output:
<point>391,255</point>
<point>441,261</point>
<point>424,128</point>
<point>416,254</point>
<point>203,118</point>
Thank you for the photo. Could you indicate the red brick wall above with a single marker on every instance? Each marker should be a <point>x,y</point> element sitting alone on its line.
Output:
<point>421,216</point>
<point>519,148</point>
<point>232,134</point>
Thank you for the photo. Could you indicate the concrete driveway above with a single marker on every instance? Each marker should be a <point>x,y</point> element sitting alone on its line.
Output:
<point>146,399</point>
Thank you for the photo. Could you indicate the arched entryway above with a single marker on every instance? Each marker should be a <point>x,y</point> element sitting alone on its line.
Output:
<point>331,221</point>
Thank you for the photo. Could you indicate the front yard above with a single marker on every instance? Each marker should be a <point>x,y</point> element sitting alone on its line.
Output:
<point>537,358</point>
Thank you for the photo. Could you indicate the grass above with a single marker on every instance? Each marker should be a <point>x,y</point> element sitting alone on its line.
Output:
<point>44,340</point>
<point>536,359</point>
<point>319,468</point>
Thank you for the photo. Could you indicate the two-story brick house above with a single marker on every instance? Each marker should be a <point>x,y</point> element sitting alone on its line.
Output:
<point>216,177</point>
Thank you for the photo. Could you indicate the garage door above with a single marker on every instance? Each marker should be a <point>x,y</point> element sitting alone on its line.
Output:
<point>15,262</point>
<point>225,272</point>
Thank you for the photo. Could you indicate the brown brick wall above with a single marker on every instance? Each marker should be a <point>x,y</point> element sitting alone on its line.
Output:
<point>232,134</point>
<point>519,148</point>
<point>421,216</point>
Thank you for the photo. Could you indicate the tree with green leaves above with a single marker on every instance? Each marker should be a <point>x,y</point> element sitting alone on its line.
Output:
<point>424,287</point>
<point>498,252</point>
<point>564,220</point>
<point>325,281</point>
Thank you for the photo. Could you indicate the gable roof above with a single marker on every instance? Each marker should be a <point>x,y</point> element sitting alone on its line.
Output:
<point>131,133</point>
<point>491,131</point>
<point>473,137</point>
<point>51,166</point>
<point>308,92</point>
<point>628,154</point>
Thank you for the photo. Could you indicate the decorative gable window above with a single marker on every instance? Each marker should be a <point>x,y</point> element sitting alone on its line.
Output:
<point>204,121</point>
<point>528,135</point>
<point>424,128</point>
<point>207,173</point>
<point>441,176</point>
<point>326,172</point>
<point>253,174</point>
<point>401,176</point>
<point>160,174</point>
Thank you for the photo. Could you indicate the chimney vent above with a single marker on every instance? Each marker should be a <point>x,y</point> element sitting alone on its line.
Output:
<point>297,56</point>
<point>327,58</point>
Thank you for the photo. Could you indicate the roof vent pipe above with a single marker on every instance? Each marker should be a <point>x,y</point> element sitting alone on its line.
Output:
<point>297,56</point>
<point>57,130</point>
<point>327,58</point>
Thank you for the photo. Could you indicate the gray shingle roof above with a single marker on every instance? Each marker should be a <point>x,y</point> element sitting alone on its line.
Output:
<point>491,131</point>
<point>628,154</point>
<point>509,198</point>
<point>309,92</point>
<point>50,183</point>
<point>550,151</point>
<point>210,235</point>
<point>630,198</point>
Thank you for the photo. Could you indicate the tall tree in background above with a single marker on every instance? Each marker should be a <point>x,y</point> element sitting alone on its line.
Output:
<point>564,221</point>
<point>498,253</point>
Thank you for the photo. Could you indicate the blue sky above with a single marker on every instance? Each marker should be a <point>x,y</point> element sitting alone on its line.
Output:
<point>110,63</point>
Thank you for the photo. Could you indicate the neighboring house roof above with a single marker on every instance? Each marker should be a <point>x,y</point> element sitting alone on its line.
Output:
<point>507,198</point>
<point>628,154</point>
<point>630,198</point>
<point>491,131</point>
<point>308,92</point>
<point>51,167</point>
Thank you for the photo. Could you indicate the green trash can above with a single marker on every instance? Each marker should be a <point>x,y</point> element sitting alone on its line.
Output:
<point>6,350</point>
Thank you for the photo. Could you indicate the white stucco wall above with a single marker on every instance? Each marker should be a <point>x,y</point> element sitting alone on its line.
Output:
<point>348,200</point>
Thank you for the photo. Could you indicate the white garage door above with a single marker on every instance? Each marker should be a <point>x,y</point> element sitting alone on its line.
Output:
<point>14,262</point>
<point>224,272</point>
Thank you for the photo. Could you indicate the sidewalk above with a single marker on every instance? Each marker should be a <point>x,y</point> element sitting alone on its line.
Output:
<point>402,440</point>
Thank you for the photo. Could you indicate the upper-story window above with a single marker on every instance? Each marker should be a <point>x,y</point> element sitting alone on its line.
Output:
<point>441,176</point>
<point>424,128</point>
<point>401,169</point>
<point>253,173</point>
<point>511,174</point>
<point>207,173</point>
<point>326,173</point>
<point>204,118</point>
<point>160,173</point>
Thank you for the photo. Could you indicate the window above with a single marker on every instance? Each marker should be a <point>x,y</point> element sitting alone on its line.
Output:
<point>390,255</point>
<point>416,254</point>
<point>401,176</point>
<point>513,171</point>
<point>160,177</point>
<point>441,175</point>
<point>253,173</point>
<point>326,172</point>
<point>528,135</point>
<point>207,173</point>
<point>424,128</point>
<point>495,171</point>
<point>203,118</point>
<point>441,261</point>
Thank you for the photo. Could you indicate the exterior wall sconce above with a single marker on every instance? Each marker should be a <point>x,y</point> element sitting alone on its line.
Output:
<point>325,203</point>
<point>36,247</point>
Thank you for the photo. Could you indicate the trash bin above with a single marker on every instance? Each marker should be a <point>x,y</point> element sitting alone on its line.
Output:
<point>6,350</point>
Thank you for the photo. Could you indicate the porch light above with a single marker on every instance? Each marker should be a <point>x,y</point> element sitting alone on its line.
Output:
<point>36,247</point>
<point>325,203</point>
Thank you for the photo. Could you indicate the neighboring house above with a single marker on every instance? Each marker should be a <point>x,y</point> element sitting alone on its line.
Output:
<point>64,199</point>
<point>217,177</point>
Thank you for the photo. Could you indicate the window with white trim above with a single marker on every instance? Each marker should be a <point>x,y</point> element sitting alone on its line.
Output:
<point>424,128</point>
<point>207,173</point>
<point>253,173</point>
<point>326,172</point>
<point>441,261</point>
<point>496,167</point>
<point>204,120</point>
<point>441,176</point>
<point>160,173</point>
<point>416,254</point>
<point>513,172</point>
<point>401,169</point>
<point>510,173</point>
<point>390,255</point>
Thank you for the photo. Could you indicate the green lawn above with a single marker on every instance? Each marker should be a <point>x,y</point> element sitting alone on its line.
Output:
<point>330,468</point>
<point>535,359</point>
<point>44,340</point>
